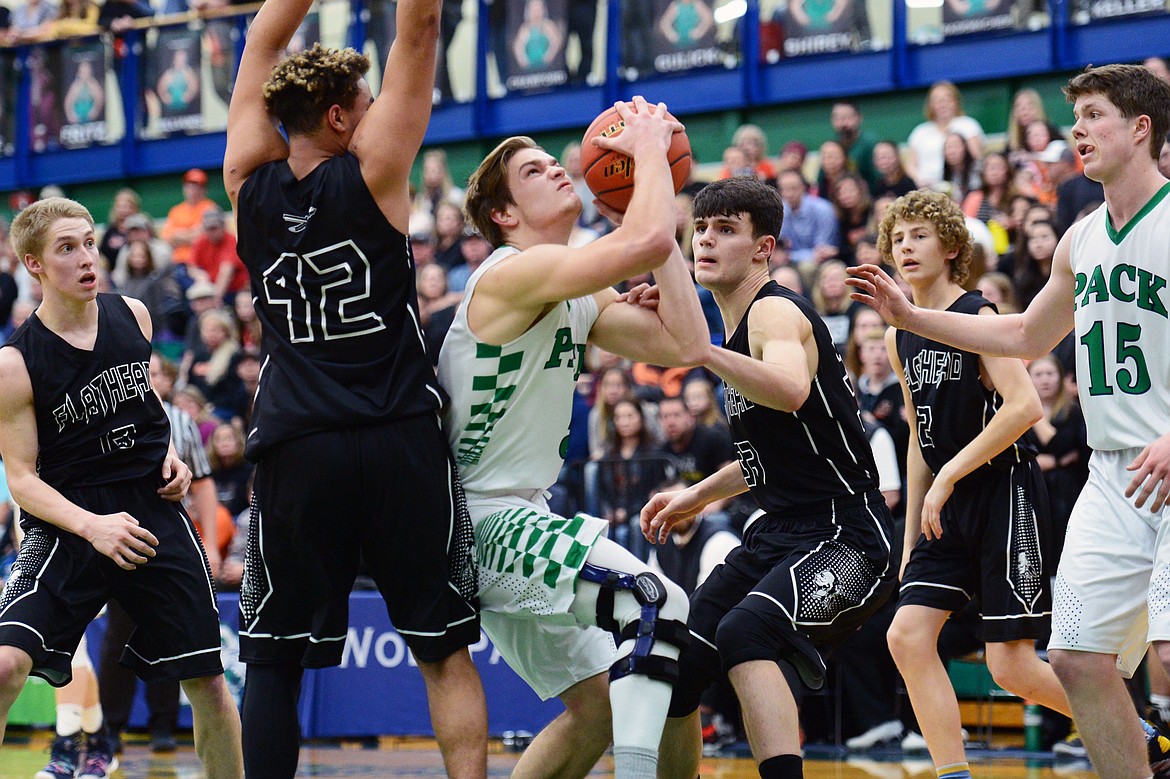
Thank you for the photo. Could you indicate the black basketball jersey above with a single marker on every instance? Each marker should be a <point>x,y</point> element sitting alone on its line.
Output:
<point>813,454</point>
<point>334,288</point>
<point>951,403</point>
<point>98,418</point>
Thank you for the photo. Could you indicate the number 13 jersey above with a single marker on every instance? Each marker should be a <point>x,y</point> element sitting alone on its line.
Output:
<point>1122,330</point>
<point>334,288</point>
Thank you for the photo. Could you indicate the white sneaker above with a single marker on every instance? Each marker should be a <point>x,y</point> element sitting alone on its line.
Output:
<point>887,731</point>
<point>914,742</point>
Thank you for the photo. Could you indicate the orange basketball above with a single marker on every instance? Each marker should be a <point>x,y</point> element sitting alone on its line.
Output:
<point>610,174</point>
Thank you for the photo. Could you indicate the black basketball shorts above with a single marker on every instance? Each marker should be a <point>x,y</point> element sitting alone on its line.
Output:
<point>814,576</point>
<point>387,495</point>
<point>60,582</point>
<point>995,530</point>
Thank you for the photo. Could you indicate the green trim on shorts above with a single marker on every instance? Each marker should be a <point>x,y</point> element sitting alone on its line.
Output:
<point>524,542</point>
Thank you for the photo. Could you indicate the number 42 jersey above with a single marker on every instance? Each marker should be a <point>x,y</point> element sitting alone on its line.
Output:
<point>1122,325</point>
<point>334,288</point>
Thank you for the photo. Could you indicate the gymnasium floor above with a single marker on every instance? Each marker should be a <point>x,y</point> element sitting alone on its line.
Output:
<point>25,754</point>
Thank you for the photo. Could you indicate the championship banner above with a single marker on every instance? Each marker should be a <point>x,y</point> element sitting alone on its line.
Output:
<point>307,34</point>
<point>82,87</point>
<point>684,36</point>
<point>535,30</point>
<point>821,26</point>
<point>45,117</point>
<point>7,102</point>
<point>966,17</point>
<point>171,78</point>
<point>1088,11</point>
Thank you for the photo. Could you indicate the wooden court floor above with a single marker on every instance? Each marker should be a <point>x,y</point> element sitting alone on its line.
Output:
<point>25,754</point>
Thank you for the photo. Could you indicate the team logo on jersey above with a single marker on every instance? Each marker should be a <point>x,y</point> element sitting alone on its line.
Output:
<point>299,223</point>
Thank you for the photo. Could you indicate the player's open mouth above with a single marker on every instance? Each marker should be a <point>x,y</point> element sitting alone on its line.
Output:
<point>1083,149</point>
<point>88,278</point>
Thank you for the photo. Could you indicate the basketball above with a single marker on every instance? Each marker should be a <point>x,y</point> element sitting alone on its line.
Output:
<point>610,174</point>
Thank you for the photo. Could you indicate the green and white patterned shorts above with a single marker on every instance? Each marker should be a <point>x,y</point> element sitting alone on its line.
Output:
<point>528,565</point>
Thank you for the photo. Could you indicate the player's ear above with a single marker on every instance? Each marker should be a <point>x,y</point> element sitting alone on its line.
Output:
<point>504,217</point>
<point>34,265</point>
<point>764,247</point>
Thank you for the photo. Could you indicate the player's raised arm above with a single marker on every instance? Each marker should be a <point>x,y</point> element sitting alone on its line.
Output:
<point>252,135</point>
<point>389,137</point>
<point>1031,334</point>
<point>548,272</point>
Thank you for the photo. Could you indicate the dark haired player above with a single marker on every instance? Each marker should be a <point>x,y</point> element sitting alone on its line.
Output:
<point>817,562</point>
<point>89,459</point>
<point>350,457</point>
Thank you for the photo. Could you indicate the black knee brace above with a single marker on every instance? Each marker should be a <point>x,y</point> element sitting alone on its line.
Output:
<point>650,593</point>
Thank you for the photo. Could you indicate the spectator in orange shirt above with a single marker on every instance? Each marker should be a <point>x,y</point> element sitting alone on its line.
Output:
<point>184,221</point>
<point>214,258</point>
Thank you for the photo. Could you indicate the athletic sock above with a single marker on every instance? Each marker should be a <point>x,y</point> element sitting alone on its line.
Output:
<point>271,728</point>
<point>782,767</point>
<point>91,718</point>
<point>68,719</point>
<point>634,763</point>
<point>954,771</point>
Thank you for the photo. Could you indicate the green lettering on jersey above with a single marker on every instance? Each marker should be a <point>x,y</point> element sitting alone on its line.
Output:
<point>1150,292</point>
<point>1097,288</point>
<point>1118,292</point>
<point>1126,284</point>
<point>562,345</point>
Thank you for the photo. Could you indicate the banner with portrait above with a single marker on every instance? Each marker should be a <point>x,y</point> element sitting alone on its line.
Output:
<point>171,83</point>
<point>682,36</point>
<point>1088,11</point>
<point>307,34</point>
<point>823,26</point>
<point>45,117</point>
<point>535,31</point>
<point>8,81</point>
<point>967,17</point>
<point>82,91</point>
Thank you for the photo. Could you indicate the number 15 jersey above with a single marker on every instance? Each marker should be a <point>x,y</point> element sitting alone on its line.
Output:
<point>1122,330</point>
<point>334,288</point>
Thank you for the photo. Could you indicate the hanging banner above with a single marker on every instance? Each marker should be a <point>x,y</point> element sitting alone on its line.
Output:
<point>536,52</point>
<point>82,87</point>
<point>7,101</point>
<point>1087,11</point>
<point>172,78</point>
<point>45,117</point>
<point>684,36</point>
<point>966,17</point>
<point>822,26</point>
<point>307,34</point>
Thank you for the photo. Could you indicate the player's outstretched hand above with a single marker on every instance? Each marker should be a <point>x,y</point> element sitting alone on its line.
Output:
<point>120,538</point>
<point>176,479</point>
<point>644,295</point>
<point>646,128</point>
<point>874,287</point>
<point>665,510</point>
<point>1153,469</point>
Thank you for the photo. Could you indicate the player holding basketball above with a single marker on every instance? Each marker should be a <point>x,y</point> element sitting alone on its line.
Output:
<point>817,562</point>
<point>1109,279</point>
<point>347,394</point>
<point>510,362</point>
<point>89,459</point>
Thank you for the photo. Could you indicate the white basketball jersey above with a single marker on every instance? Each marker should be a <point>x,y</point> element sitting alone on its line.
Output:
<point>508,418</point>
<point>1122,329</point>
